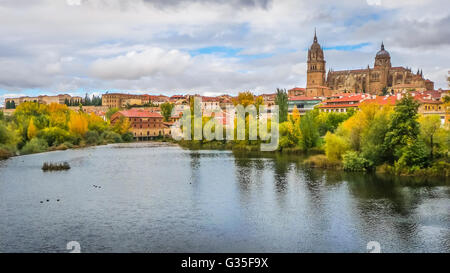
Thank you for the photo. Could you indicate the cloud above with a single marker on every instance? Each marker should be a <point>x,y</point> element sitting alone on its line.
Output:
<point>206,45</point>
<point>136,65</point>
<point>73,2</point>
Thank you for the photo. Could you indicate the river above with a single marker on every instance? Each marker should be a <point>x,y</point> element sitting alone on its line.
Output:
<point>154,197</point>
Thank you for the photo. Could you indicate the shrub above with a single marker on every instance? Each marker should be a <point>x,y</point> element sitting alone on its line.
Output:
<point>322,161</point>
<point>4,153</point>
<point>36,145</point>
<point>111,137</point>
<point>92,137</point>
<point>353,162</point>
<point>335,146</point>
<point>55,136</point>
<point>127,137</point>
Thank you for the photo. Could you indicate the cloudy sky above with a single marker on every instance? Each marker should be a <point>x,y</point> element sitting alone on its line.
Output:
<point>206,46</point>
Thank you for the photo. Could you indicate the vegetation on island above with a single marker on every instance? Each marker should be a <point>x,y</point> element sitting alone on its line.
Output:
<point>48,167</point>
<point>35,128</point>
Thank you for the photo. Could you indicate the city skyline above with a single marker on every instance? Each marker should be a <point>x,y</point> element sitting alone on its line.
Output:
<point>154,47</point>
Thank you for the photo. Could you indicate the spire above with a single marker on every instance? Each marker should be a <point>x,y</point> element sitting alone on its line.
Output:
<point>315,35</point>
<point>382,45</point>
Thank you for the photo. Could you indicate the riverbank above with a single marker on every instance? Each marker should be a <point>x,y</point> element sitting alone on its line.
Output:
<point>316,158</point>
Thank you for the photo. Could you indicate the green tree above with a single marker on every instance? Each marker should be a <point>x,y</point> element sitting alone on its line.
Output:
<point>309,131</point>
<point>111,112</point>
<point>403,128</point>
<point>429,127</point>
<point>166,110</point>
<point>282,101</point>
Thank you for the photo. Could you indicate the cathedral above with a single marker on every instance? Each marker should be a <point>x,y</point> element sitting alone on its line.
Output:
<point>381,78</point>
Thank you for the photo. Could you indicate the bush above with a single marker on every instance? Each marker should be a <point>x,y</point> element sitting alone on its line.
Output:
<point>127,137</point>
<point>55,136</point>
<point>111,137</point>
<point>92,137</point>
<point>353,162</point>
<point>322,161</point>
<point>335,146</point>
<point>5,153</point>
<point>36,145</point>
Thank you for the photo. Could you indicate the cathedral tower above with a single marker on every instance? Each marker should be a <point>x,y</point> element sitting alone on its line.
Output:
<point>383,58</point>
<point>316,65</point>
<point>379,77</point>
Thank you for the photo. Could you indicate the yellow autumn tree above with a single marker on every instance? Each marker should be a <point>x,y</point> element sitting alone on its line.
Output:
<point>32,130</point>
<point>59,114</point>
<point>122,126</point>
<point>78,123</point>
<point>96,123</point>
<point>295,114</point>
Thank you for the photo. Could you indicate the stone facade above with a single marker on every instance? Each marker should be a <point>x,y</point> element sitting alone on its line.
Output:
<point>370,80</point>
<point>60,99</point>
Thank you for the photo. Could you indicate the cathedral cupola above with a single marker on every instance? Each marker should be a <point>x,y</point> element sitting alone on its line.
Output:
<point>383,58</point>
<point>315,52</point>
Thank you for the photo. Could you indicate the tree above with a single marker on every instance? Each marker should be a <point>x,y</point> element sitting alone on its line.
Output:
<point>32,130</point>
<point>78,124</point>
<point>245,99</point>
<point>309,130</point>
<point>111,112</point>
<point>429,126</point>
<point>282,101</point>
<point>295,113</point>
<point>122,126</point>
<point>8,105</point>
<point>335,146</point>
<point>403,128</point>
<point>12,105</point>
<point>166,110</point>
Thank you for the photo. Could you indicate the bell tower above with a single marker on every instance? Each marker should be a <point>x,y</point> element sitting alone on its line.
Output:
<point>316,65</point>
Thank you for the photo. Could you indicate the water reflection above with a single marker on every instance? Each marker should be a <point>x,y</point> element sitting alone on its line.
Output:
<point>164,199</point>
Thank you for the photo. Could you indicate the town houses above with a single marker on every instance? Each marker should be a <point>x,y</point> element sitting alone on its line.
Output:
<point>144,124</point>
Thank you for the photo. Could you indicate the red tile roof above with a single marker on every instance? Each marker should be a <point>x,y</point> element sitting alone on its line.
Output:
<point>382,100</point>
<point>210,99</point>
<point>139,113</point>
<point>357,97</point>
<point>339,105</point>
<point>292,98</point>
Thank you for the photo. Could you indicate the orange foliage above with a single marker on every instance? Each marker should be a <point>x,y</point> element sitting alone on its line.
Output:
<point>78,123</point>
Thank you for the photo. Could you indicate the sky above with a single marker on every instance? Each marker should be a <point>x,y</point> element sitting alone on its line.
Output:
<point>208,47</point>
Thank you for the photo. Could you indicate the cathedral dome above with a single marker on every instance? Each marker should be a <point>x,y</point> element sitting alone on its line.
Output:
<point>315,46</point>
<point>383,53</point>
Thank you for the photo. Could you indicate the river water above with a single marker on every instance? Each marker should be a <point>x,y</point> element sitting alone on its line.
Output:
<point>151,197</point>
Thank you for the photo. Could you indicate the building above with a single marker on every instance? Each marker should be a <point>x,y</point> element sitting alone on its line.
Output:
<point>59,99</point>
<point>117,100</point>
<point>297,91</point>
<point>342,104</point>
<point>382,77</point>
<point>144,125</point>
<point>302,103</point>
